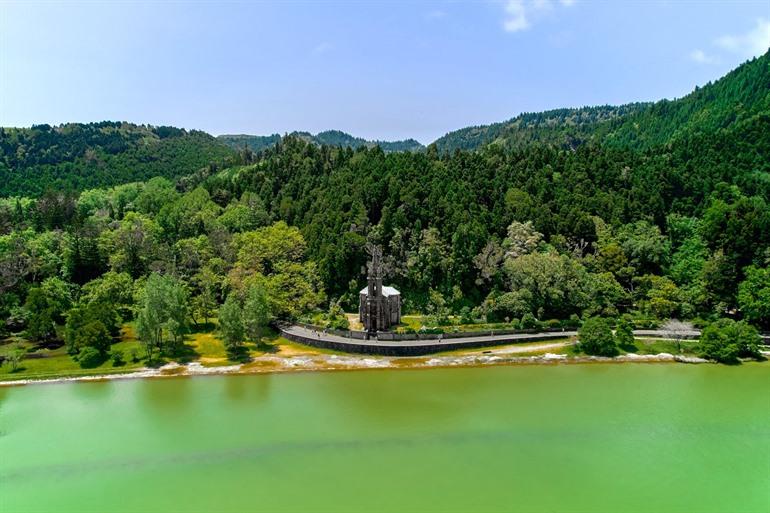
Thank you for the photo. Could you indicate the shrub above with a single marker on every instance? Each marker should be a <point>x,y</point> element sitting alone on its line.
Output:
<point>528,322</point>
<point>624,334</point>
<point>95,335</point>
<point>336,318</point>
<point>572,322</point>
<point>14,359</point>
<point>89,357</point>
<point>596,337</point>
<point>466,315</point>
<point>726,340</point>
<point>646,324</point>
<point>91,318</point>
<point>117,358</point>
<point>754,295</point>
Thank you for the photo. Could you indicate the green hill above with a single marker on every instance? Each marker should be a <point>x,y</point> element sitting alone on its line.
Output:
<point>81,156</point>
<point>705,156</point>
<point>655,210</point>
<point>328,138</point>
<point>255,143</point>
<point>565,128</point>
<point>735,98</point>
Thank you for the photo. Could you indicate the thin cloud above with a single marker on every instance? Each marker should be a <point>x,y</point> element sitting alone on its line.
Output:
<point>434,15</point>
<point>322,48</point>
<point>751,44</point>
<point>520,14</point>
<point>516,16</point>
<point>702,57</point>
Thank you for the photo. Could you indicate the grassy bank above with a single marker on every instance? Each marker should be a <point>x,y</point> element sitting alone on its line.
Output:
<point>44,363</point>
<point>206,348</point>
<point>203,346</point>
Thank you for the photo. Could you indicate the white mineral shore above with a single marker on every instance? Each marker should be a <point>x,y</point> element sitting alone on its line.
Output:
<point>325,362</point>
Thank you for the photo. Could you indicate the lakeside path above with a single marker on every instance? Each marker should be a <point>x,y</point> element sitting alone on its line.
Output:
<point>303,358</point>
<point>421,347</point>
<point>314,361</point>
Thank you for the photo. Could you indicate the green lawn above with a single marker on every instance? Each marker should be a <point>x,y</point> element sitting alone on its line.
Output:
<point>655,346</point>
<point>57,363</point>
<point>535,351</point>
<point>652,346</point>
<point>210,351</point>
<point>204,346</point>
<point>207,345</point>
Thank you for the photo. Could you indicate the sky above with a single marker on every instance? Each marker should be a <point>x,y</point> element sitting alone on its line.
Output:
<point>376,69</point>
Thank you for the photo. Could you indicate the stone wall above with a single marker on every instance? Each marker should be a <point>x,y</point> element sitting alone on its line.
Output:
<point>373,348</point>
<point>388,335</point>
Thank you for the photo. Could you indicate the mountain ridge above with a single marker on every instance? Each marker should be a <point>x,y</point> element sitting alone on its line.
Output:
<point>79,156</point>
<point>739,94</point>
<point>85,155</point>
<point>258,143</point>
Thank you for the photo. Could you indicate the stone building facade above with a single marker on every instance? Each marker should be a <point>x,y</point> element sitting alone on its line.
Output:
<point>379,307</point>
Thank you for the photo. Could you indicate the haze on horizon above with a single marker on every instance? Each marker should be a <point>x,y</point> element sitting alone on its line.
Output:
<point>377,70</point>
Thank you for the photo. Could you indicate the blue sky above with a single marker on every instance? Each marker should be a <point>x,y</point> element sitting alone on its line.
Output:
<point>380,70</point>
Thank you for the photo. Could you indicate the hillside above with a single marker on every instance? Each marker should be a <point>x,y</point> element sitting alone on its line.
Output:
<point>652,211</point>
<point>81,156</point>
<point>258,143</point>
<point>255,143</point>
<point>738,96</point>
<point>639,168</point>
<point>561,128</point>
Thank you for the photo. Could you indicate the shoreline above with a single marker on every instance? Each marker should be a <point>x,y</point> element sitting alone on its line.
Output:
<point>335,362</point>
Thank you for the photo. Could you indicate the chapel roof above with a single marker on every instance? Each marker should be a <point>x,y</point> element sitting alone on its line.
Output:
<point>386,291</point>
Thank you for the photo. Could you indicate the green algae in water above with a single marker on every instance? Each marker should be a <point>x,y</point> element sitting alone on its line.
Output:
<point>614,438</point>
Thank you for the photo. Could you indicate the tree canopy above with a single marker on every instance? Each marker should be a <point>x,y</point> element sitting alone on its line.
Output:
<point>660,210</point>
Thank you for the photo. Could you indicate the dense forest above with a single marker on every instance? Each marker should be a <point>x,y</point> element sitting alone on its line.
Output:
<point>564,128</point>
<point>257,143</point>
<point>736,99</point>
<point>79,156</point>
<point>653,210</point>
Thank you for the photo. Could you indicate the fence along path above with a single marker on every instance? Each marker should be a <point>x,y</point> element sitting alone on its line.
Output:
<point>356,341</point>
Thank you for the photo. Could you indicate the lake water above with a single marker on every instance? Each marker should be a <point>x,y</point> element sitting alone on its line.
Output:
<point>593,438</point>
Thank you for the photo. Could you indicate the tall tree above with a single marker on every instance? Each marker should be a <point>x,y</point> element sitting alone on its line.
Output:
<point>256,312</point>
<point>231,323</point>
<point>162,310</point>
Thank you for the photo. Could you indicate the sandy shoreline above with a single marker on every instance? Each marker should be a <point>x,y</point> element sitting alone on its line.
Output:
<point>337,362</point>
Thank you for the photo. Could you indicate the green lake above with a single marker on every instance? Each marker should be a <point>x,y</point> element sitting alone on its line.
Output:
<point>574,438</point>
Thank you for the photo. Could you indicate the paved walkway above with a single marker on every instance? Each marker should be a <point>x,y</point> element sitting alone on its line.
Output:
<point>486,339</point>
<point>423,346</point>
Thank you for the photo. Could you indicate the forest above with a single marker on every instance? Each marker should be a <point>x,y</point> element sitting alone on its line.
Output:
<point>736,99</point>
<point>654,211</point>
<point>78,156</point>
<point>258,143</point>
